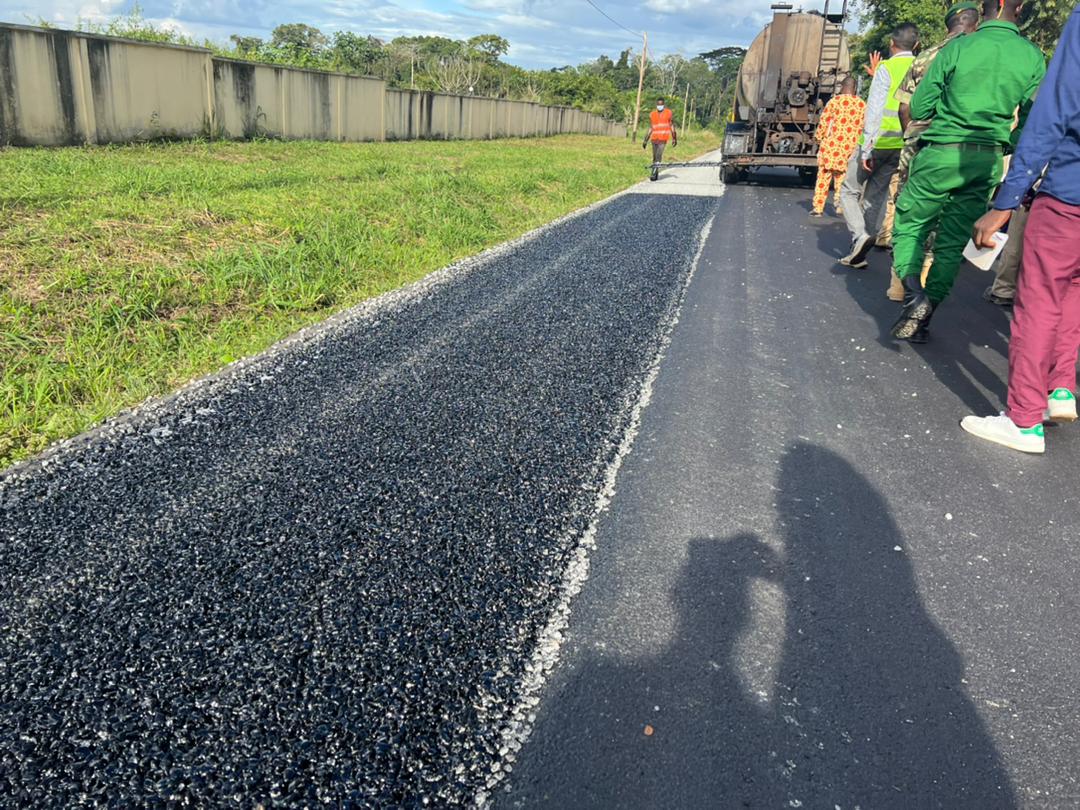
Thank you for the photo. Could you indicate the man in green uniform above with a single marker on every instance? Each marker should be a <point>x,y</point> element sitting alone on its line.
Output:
<point>971,92</point>
<point>961,18</point>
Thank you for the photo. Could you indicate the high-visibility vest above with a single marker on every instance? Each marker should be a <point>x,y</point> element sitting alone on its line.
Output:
<point>892,133</point>
<point>661,125</point>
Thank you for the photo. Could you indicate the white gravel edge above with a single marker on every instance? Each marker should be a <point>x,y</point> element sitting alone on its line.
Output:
<point>522,715</point>
<point>134,419</point>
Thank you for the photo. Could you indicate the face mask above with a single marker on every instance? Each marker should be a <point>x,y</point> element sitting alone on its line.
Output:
<point>660,107</point>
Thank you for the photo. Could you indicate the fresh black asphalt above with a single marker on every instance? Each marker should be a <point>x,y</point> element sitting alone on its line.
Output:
<point>319,580</point>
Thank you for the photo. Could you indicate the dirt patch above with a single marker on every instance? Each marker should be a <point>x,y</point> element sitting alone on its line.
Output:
<point>23,288</point>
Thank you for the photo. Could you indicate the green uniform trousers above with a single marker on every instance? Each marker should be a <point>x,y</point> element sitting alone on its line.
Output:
<point>949,189</point>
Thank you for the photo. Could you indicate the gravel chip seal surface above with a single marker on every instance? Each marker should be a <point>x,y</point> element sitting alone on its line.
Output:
<point>321,577</point>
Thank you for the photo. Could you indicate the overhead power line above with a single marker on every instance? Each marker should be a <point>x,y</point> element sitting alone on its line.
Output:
<point>612,19</point>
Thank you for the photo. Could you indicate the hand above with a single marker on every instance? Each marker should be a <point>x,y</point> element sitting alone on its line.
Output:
<point>868,164</point>
<point>875,60</point>
<point>987,225</point>
<point>644,144</point>
<point>674,142</point>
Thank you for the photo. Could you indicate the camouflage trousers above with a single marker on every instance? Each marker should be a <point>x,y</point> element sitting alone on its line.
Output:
<point>911,148</point>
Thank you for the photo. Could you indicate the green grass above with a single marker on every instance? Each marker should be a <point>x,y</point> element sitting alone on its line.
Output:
<point>126,271</point>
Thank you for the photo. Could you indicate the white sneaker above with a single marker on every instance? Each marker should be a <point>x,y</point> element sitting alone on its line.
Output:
<point>1062,406</point>
<point>1002,430</point>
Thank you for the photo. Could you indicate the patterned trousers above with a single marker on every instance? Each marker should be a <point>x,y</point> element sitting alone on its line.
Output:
<point>825,178</point>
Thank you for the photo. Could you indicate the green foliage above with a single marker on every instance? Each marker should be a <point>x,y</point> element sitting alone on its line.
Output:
<point>298,37</point>
<point>859,53</point>
<point>353,53</point>
<point>571,87</point>
<point>1043,20</point>
<point>880,17</point>
<point>490,46</point>
<point>246,45</point>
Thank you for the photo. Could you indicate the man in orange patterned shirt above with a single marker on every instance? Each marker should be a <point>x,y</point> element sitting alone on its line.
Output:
<point>838,131</point>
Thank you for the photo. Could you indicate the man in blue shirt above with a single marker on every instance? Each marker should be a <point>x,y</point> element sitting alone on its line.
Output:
<point>1046,319</point>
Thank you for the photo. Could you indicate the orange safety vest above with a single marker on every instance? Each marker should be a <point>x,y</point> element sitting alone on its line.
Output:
<point>661,125</point>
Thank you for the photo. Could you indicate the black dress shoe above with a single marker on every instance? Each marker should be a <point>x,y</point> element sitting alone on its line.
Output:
<point>914,312</point>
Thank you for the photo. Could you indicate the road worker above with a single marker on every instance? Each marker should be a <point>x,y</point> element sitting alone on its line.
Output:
<point>971,92</point>
<point>661,130</point>
<point>874,163</point>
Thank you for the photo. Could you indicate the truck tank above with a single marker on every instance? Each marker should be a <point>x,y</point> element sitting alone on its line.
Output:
<point>792,68</point>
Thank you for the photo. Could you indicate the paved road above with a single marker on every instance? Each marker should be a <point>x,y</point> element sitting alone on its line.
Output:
<point>340,574</point>
<point>811,588</point>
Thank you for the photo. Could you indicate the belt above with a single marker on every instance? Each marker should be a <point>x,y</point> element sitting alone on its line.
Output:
<point>969,147</point>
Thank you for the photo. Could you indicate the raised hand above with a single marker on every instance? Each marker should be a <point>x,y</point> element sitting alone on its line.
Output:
<point>875,60</point>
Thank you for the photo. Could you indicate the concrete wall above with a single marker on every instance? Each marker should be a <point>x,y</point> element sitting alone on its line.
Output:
<point>421,115</point>
<point>252,100</point>
<point>61,88</point>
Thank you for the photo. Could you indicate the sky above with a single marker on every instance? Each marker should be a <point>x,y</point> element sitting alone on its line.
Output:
<point>542,33</point>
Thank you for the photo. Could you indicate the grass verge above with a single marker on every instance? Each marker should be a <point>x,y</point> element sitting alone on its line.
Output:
<point>126,271</point>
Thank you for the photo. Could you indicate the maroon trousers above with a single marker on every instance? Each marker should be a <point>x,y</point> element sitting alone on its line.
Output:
<point>1046,313</point>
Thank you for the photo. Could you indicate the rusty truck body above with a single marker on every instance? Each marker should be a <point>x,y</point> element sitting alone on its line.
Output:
<point>791,70</point>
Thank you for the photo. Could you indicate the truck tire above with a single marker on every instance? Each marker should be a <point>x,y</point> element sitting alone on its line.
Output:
<point>729,175</point>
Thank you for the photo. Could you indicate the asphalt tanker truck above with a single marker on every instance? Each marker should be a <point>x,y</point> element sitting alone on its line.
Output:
<point>792,68</point>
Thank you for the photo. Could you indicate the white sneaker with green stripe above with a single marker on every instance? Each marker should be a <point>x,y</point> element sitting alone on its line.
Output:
<point>1061,406</point>
<point>1002,430</point>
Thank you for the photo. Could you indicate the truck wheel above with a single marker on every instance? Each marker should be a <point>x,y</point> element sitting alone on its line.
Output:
<point>729,175</point>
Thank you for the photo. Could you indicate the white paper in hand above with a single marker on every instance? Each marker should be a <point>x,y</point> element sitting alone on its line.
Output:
<point>984,258</point>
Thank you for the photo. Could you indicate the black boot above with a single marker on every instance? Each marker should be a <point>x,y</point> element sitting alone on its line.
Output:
<point>915,310</point>
<point>922,334</point>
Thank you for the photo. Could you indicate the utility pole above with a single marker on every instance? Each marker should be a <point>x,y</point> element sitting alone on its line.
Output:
<point>686,105</point>
<point>641,82</point>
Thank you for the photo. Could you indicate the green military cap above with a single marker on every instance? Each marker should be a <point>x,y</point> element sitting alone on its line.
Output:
<point>956,8</point>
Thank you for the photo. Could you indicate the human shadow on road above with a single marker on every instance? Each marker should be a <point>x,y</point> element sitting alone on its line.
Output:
<point>866,706</point>
<point>833,239</point>
<point>964,322</point>
<point>872,687</point>
<point>677,730</point>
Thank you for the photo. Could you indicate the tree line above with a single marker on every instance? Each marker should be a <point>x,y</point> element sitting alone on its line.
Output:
<point>476,66</point>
